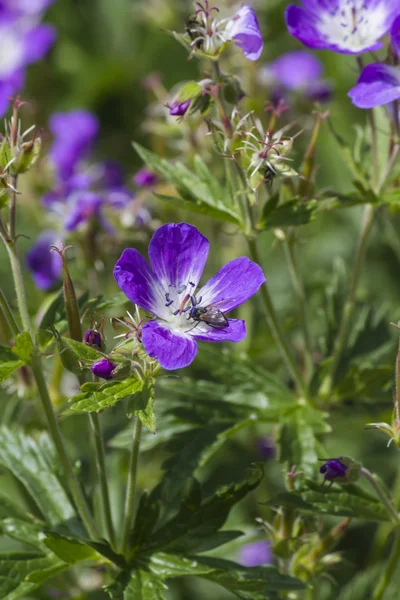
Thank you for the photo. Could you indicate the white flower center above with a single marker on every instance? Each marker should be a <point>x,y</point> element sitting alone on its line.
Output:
<point>353,25</point>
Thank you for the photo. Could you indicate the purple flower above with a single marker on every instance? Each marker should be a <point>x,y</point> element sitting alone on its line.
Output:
<point>93,338</point>
<point>379,83</point>
<point>255,554</point>
<point>24,8</point>
<point>266,447</point>
<point>145,178</point>
<point>346,26</point>
<point>103,368</point>
<point>74,133</point>
<point>297,71</point>
<point>45,266</point>
<point>178,253</point>
<point>178,109</point>
<point>23,42</point>
<point>334,468</point>
<point>244,30</point>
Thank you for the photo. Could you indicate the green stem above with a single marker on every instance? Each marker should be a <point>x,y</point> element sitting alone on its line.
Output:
<point>348,311</point>
<point>102,475</point>
<point>389,571</point>
<point>383,496</point>
<point>13,207</point>
<point>301,300</point>
<point>275,325</point>
<point>131,485</point>
<point>4,306</point>
<point>37,370</point>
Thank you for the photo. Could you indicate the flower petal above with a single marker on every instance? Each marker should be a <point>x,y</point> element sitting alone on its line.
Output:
<point>235,283</point>
<point>378,84</point>
<point>296,69</point>
<point>244,29</point>
<point>171,350</point>
<point>45,266</point>
<point>81,207</point>
<point>38,42</point>
<point>135,278</point>
<point>395,36</point>
<point>303,25</point>
<point>234,332</point>
<point>178,253</point>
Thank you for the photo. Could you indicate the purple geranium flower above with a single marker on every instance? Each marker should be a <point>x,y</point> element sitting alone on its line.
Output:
<point>244,30</point>
<point>297,71</point>
<point>24,8</point>
<point>255,554</point>
<point>74,133</point>
<point>346,26</point>
<point>145,178</point>
<point>44,265</point>
<point>178,253</point>
<point>379,83</point>
<point>23,41</point>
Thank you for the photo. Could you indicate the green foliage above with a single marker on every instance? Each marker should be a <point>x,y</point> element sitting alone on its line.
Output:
<point>96,397</point>
<point>199,189</point>
<point>9,362</point>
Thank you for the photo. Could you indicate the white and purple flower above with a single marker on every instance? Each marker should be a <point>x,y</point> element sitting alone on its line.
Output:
<point>346,26</point>
<point>379,83</point>
<point>167,289</point>
<point>23,42</point>
<point>211,35</point>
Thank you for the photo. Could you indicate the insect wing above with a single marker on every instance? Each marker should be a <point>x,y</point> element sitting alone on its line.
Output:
<point>214,317</point>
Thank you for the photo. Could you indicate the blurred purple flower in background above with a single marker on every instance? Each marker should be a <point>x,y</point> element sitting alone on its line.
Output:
<point>379,83</point>
<point>82,192</point>
<point>145,178</point>
<point>266,447</point>
<point>23,41</point>
<point>178,254</point>
<point>346,26</point>
<point>45,266</point>
<point>255,554</point>
<point>178,109</point>
<point>297,71</point>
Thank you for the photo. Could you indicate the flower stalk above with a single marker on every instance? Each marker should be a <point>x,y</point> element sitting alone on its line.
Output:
<point>131,485</point>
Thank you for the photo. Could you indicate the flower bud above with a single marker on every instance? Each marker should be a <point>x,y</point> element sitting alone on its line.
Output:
<point>27,156</point>
<point>103,368</point>
<point>342,469</point>
<point>178,109</point>
<point>145,178</point>
<point>93,338</point>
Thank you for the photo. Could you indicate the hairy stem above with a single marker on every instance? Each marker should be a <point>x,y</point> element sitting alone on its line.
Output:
<point>8,314</point>
<point>383,496</point>
<point>389,571</point>
<point>102,475</point>
<point>131,485</point>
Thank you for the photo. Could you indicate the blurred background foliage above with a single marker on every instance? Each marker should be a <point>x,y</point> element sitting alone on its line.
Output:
<point>104,51</point>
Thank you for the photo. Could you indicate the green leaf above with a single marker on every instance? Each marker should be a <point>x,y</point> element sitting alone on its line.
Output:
<point>188,91</point>
<point>23,346</point>
<point>22,572</point>
<point>30,462</point>
<point>199,189</point>
<point>103,396</point>
<point>333,501</point>
<point>54,311</point>
<point>8,508</point>
<point>8,362</point>
<point>253,583</point>
<point>146,414</point>
<point>292,213</point>
<point>83,351</point>
<point>137,585</point>
<point>298,442</point>
<point>71,550</point>
<point>197,520</point>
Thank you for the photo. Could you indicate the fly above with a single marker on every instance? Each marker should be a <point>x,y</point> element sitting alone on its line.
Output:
<point>210,315</point>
